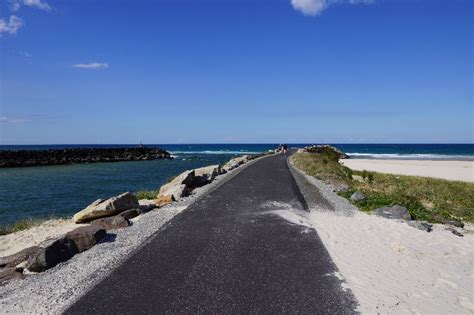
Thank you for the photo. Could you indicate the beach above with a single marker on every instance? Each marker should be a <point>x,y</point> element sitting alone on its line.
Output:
<point>450,170</point>
<point>390,267</point>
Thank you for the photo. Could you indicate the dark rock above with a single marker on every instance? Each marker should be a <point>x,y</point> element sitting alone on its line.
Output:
<point>86,237</point>
<point>455,223</point>
<point>52,252</point>
<point>455,232</point>
<point>111,223</point>
<point>21,158</point>
<point>130,214</point>
<point>420,225</point>
<point>357,196</point>
<point>17,258</point>
<point>393,212</point>
<point>9,274</point>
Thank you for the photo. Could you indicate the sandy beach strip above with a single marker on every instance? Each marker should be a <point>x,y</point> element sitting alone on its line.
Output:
<point>451,170</point>
<point>391,267</point>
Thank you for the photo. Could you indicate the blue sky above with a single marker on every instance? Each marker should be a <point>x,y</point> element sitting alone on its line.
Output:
<point>236,71</point>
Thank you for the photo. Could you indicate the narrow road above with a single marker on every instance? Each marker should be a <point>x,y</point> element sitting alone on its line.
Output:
<point>228,254</point>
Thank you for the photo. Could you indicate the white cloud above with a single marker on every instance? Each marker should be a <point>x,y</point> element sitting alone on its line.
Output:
<point>7,120</point>
<point>92,65</point>
<point>15,5</point>
<point>315,7</point>
<point>10,26</point>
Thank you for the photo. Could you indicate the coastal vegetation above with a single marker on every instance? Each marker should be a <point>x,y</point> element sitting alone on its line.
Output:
<point>428,199</point>
<point>146,194</point>
<point>21,225</point>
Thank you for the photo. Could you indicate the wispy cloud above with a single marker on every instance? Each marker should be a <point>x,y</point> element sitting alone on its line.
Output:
<point>10,26</point>
<point>15,5</point>
<point>315,7</point>
<point>8,120</point>
<point>91,65</point>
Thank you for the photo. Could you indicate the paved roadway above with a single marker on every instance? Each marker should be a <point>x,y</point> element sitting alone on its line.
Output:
<point>227,254</point>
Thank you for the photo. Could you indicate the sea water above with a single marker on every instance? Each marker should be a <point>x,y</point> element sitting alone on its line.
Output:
<point>61,191</point>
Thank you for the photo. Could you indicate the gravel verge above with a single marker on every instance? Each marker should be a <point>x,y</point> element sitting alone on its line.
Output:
<point>319,195</point>
<point>53,291</point>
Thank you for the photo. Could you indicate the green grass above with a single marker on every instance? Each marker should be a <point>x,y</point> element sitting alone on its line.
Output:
<point>21,225</point>
<point>146,194</point>
<point>429,199</point>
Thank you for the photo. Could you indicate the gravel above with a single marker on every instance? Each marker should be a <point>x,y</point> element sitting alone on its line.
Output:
<point>56,289</point>
<point>331,201</point>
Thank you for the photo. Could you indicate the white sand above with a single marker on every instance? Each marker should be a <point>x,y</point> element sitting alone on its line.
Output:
<point>452,170</point>
<point>14,242</point>
<point>393,268</point>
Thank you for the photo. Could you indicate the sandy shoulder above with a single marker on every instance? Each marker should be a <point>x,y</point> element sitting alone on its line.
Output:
<point>14,242</point>
<point>451,170</point>
<point>390,267</point>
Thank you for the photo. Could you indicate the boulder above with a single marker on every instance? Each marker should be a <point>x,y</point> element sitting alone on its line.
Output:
<point>86,237</point>
<point>111,223</point>
<point>393,212</point>
<point>357,196</point>
<point>54,251</point>
<point>420,225</point>
<point>173,191</point>
<point>164,200</point>
<point>130,214</point>
<point>205,175</point>
<point>235,162</point>
<point>17,258</point>
<point>455,223</point>
<point>179,187</point>
<point>9,274</point>
<point>455,232</point>
<point>100,208</point>
<point>185,178</point>
<point>146,205</point>
<point>51,253</point>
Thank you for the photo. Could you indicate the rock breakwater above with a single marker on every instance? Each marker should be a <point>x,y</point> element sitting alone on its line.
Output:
<point>23,158</point>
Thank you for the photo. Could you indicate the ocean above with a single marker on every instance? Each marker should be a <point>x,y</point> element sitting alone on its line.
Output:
<point>61,191</point>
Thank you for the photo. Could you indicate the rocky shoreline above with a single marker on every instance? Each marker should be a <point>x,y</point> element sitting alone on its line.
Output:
<point>92,224</point>
<point>26,158</point>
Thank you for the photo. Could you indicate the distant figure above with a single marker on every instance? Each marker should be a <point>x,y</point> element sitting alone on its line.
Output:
<point>285,149</point>
<point>279,149</point>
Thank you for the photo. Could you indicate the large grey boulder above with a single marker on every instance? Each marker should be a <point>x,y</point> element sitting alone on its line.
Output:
<point>175,192</point>
<point>179,187</point>
<point>51,253</point>
<point>111,223</point>
<point>393,212</point>
<point>357,196</point>
<point>105,208</point>
<point>205,175</point>
<point>54,251</point>
<point>86,237</point>
<point>236,162</point>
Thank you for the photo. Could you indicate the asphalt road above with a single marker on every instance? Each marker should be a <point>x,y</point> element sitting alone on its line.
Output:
<point>228,254</point>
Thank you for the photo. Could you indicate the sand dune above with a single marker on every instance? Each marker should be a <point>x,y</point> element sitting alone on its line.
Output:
<point>452,170</point>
